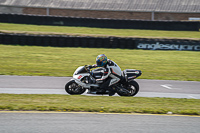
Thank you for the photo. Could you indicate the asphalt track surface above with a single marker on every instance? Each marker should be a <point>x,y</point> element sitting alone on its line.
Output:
<point>49,122</point>
<point>55,85</point>
<point>31,122</point>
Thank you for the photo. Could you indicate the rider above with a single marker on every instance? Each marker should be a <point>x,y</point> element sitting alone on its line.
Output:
<point>111,75</point>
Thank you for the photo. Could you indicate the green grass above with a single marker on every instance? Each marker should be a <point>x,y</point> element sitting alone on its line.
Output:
<point>36,29</point>
<point>51,61</point>
<point>102,104</point>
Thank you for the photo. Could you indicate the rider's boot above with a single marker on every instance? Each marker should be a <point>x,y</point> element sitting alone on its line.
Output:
<point>112,91</point>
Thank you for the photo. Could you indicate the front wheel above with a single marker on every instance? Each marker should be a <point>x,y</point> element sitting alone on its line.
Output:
<point>129,89</point>
<point>73,88</point>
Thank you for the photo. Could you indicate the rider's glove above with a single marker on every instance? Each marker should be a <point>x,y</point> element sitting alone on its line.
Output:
<point>93,66</point>
<point>90,66</point>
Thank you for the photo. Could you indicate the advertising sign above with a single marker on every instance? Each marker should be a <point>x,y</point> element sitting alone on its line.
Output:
<point>168,46</point>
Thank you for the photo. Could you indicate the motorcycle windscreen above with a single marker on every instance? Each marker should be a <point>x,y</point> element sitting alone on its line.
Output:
<point>81,70</point>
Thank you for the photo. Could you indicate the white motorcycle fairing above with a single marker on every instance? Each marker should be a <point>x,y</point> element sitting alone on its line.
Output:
<point>77,77</point>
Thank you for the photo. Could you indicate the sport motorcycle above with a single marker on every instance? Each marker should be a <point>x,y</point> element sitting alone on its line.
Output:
<point>84,79</point>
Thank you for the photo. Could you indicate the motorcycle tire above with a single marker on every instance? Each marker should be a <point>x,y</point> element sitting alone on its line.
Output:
<point>73,88</point>
<point>132,87</point>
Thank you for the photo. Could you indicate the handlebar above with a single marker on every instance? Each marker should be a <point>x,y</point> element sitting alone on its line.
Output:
<point>87,68</point>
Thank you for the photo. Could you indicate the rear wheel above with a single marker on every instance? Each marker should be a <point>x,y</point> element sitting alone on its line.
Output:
<point>73,88</point>
<point>130,89</point>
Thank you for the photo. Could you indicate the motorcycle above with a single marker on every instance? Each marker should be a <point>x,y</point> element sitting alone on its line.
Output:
<point>84,77</point>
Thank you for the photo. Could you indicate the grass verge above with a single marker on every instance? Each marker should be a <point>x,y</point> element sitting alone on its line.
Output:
<point>102,104</point>
<point>51,61</point>
<point>41,29</point>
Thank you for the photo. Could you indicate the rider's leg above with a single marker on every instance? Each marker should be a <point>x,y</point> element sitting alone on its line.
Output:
<point>113,81</point>
<point>105,84</point>
<point>108,84</point>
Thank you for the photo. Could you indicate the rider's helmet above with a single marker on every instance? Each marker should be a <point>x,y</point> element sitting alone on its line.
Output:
<point>101,60</point>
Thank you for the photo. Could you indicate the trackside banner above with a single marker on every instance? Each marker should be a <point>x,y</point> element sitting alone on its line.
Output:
<point>169,46</point>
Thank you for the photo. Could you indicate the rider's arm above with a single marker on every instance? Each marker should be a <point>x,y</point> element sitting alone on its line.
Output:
<point>105,74</point>
<point>92,66</point>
